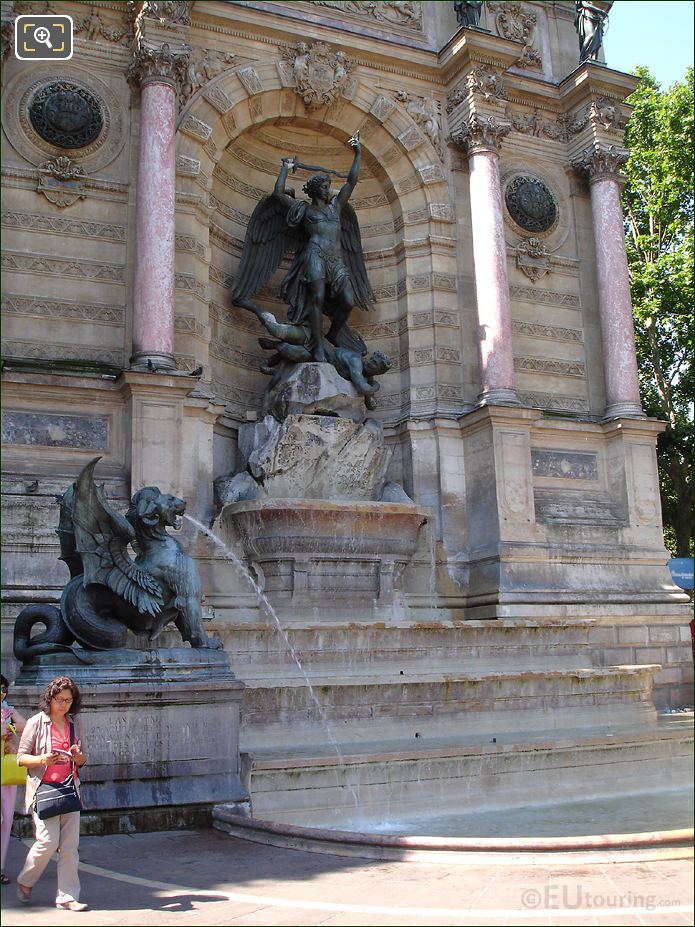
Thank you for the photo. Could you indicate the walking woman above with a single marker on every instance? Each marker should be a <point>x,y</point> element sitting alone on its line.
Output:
<point>49,731</point>
<point>12,724</point>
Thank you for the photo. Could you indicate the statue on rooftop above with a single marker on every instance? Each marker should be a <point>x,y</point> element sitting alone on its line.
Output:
<point>468,12</point>
<point>590,21</point>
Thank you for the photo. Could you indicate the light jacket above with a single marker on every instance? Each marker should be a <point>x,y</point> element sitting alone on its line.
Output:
<point>36,739</point>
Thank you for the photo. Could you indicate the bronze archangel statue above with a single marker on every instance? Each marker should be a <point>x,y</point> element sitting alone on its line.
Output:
<point>327,276</point>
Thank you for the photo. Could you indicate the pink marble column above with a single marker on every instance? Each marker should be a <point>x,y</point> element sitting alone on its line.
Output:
<point>481,138</point>
<point>601,164</point>
<point>155,70</point>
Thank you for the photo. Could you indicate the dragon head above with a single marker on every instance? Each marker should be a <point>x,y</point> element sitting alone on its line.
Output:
<point>151,508</point>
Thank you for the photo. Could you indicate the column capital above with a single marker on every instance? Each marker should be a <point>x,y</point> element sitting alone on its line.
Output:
<point>481,133</point>
<point>158,63</point>
<point>601,162</point>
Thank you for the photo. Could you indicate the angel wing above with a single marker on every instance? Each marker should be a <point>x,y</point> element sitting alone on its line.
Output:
<point>351,244</point>
<point>102,537</point>
<point>267,238</point>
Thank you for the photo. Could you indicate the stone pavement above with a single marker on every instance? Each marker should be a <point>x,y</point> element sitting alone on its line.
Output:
<point>207,878</point>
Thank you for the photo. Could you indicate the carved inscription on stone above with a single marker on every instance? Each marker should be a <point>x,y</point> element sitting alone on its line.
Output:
<point>36,428</point>
<point>550,365</point>
<point>566,465</point>
<point>573,508</point>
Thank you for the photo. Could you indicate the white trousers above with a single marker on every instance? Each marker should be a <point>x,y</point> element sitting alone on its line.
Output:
<point>61,834</point>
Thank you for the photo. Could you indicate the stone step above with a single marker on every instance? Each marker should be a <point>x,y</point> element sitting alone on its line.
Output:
<point>261,645</point>
<point>421,668</point>
<point>286,711</point>
<point>460,772</point>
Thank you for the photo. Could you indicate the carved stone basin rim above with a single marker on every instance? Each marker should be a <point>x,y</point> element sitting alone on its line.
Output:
<point>362,530</point>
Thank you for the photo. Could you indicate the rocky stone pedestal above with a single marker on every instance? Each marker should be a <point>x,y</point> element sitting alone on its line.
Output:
<point>161,728</point>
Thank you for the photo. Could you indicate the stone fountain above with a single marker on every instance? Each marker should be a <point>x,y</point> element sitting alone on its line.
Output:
<point>311,510</point>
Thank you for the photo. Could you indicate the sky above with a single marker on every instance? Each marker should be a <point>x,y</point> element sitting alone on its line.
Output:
<point>657,33</point>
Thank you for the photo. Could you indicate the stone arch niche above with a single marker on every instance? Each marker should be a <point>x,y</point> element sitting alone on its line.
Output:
<point>232,136</point>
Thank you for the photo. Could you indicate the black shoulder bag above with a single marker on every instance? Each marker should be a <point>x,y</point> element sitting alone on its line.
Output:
<point>54,798</point>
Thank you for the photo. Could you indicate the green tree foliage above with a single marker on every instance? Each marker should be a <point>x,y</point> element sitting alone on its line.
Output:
<point>658,204</point>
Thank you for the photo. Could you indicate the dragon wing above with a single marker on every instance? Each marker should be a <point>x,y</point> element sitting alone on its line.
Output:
<point>351,244</point>
<point>102,537</point>
<point>267,239</point>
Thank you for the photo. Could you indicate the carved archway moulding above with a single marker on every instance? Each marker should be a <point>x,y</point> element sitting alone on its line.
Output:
<point>223,109</point>
<point>16,101</point>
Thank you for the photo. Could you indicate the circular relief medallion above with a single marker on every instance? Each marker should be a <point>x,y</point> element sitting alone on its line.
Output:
<point>531,204</point>
<point>65,115</point>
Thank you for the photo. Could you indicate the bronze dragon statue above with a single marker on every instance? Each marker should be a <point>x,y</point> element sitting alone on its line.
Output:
<point>109,592</point>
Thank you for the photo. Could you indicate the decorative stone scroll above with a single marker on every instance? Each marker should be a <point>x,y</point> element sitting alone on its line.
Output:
<point>93,28</point>
<point>484,82</point>
<point>425,113</point>
<point>481,133</point>
<point>534,122</point>
<point>601,161</point>
<point>204,64</point>
<point>487,83</point>
<point>319,74</point>
<point>517,23</point>
<point>602,113</point>
<point>169,13</point>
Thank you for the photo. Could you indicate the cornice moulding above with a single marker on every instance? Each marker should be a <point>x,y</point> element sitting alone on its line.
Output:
<point>589,80</point>
<point>256,25</point>
<point>469,47</point>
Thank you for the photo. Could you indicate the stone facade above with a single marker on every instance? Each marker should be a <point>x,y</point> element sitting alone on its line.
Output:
<point>488,205</point>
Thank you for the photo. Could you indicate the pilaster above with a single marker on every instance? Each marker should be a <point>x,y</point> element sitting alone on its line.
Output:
<point>170,443</point>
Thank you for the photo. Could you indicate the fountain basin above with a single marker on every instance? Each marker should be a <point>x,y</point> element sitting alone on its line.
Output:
<point>315,553</point>
<point>585,849</point>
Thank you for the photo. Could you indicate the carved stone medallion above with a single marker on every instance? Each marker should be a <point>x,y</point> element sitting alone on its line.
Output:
<point>45,116</point>
<point>65,115</point>
<point>531,204</point>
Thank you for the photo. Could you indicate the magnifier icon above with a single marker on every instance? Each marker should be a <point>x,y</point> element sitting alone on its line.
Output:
<point>42,35</point>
